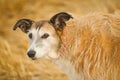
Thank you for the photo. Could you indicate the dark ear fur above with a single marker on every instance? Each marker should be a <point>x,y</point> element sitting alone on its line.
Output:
<point>23,24</point>
<point>58,20</point>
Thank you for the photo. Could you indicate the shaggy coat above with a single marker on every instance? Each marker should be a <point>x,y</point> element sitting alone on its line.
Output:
<point>91,48</point>
<point>85,48</point>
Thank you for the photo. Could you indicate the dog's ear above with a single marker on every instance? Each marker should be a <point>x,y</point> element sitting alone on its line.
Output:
<point>58,20</point>
<point>23,24</point>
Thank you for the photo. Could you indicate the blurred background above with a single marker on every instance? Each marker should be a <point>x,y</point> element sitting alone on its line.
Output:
<point>14,63</point>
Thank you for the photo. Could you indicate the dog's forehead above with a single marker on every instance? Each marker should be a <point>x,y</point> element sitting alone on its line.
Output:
<point>40,24</point>
<point>43,25</point>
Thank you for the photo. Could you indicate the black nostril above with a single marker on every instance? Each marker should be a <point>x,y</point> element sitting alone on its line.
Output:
<point>31,53</point>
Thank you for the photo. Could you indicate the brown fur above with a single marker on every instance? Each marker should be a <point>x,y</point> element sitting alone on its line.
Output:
<point>92,44</point>
<point>88,47</point>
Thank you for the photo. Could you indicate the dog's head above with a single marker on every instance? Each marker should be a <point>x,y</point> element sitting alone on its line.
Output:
<point>43,35</point>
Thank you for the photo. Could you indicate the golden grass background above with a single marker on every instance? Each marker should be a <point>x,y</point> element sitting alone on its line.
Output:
<point>14,63</point>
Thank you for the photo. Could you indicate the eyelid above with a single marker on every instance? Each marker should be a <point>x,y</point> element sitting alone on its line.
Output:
<point>46,35</point>
<point>30,35</point>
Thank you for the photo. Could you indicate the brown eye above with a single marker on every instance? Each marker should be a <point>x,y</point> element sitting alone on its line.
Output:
<point>44,36</point>
<point>30,35</point>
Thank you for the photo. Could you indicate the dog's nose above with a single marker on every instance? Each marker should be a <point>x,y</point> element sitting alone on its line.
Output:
<point>31,53</point>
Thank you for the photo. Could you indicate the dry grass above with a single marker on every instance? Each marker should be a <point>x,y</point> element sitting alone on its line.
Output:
<point>14,63</point>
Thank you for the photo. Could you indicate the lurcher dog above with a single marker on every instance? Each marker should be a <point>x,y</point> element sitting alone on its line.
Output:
<point>86,47</point>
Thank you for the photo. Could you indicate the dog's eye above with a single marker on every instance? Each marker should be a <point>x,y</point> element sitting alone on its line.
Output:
<point>44,36</point>
<point>30,35</point>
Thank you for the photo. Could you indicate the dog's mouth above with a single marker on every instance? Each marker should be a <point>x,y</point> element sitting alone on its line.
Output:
<point>33,58</point>
<point>45,57</point>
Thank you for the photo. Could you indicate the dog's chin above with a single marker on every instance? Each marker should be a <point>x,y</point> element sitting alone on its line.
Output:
<point>34,58</point>
<point>44,57</point>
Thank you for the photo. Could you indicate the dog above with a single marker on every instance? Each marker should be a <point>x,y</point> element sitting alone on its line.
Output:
<point>85,48</point>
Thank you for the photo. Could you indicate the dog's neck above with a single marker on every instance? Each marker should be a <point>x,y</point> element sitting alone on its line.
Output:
<point>67,41</point>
